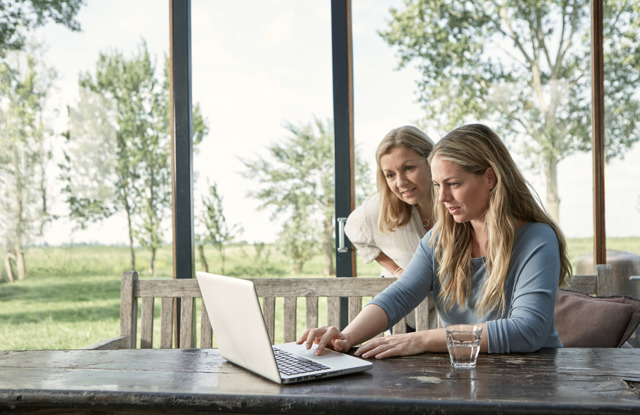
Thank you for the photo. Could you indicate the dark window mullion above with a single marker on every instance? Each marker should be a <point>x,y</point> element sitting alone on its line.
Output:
<point>343,135</point>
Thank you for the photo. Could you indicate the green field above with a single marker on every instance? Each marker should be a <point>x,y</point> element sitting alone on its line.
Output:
<point>71,297</point>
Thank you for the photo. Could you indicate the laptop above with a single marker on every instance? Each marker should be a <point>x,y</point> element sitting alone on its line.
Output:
<point>241,333</point>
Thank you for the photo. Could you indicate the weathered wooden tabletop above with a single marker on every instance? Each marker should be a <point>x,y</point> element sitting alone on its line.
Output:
<point>200,381</point>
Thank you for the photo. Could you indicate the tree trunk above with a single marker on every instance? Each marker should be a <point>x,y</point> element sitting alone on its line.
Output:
<point>9,267</point>
<point>131,249</point>
<point>553,199</point>
<point>297,269</point>
<point>203,260</point>
<point>133,254</point>
<point>18,252</point>
<point>152,262</point>
<point>21,264</point>
<point>221,254</point>
<point>327,248</point>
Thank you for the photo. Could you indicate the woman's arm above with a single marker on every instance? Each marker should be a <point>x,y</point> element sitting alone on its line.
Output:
<point>434,340</point>
<point>535,268</point>
<point>407,292</point>
<point>360,229</point>
<point>389,264</point>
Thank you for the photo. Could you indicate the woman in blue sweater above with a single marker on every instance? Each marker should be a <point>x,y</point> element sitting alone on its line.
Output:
<point>494,257</point>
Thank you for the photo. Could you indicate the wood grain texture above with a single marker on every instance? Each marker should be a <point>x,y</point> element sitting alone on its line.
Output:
<point>199,381</point>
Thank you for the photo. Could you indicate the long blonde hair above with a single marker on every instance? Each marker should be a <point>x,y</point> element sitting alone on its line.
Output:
<point>394,213</point>
<point>475,148</point>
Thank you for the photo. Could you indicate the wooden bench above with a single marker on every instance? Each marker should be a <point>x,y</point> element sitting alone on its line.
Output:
<point>142,293</point>
<point>146,291</point>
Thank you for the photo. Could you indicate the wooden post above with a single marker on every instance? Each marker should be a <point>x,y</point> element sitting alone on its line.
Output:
<point>597,123</point>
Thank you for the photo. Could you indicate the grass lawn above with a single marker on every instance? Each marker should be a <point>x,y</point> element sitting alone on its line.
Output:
<point>71,296</point>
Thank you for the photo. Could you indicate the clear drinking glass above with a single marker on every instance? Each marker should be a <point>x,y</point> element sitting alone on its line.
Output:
<point>463,343</point>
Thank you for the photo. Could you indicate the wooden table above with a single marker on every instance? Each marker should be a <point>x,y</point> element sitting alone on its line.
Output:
<point>173,381</point>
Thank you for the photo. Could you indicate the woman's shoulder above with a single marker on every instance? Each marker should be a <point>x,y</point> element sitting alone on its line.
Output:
<point>370,207</point>
<point>535,228</point>
<point>425,241</point>
<point>535,232</point>
<point>365,214</point>
<point>372,199</point>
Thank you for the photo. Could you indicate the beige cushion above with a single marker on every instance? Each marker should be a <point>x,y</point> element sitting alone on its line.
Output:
<point>586,321</point>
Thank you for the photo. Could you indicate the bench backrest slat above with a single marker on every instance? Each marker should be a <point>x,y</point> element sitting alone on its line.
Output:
<point>599,284</point>
<point>290,290</point>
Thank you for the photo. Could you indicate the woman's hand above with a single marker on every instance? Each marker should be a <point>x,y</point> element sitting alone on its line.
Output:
<point>371,321</point>
<point>394,345</point>
<point>327,336</point>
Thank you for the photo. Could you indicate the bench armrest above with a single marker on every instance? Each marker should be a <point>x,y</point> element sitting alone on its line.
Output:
<point>121,342</point>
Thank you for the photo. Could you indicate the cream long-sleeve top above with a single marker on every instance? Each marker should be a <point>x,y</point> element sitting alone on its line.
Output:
<point>364,233</point>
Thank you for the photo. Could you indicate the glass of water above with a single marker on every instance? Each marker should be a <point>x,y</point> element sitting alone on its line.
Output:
<point>463,343</point>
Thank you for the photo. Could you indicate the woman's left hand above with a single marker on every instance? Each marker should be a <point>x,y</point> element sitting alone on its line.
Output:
<point>395,345</point>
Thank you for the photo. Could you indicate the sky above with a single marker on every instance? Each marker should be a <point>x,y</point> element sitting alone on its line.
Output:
<point>258,64</point>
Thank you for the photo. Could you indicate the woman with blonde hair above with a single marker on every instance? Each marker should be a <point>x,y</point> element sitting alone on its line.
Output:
<point>390,223</point>
<point>494,257</point>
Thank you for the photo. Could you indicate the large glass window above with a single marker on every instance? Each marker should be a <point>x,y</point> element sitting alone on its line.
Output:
<point>262,75</point>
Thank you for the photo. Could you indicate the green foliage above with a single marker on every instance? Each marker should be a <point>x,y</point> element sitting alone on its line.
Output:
<point>213,223</point>
<point>90,164</point>
<point>297,183</point>
<point>523,66</point>
<point>259,263</point>
<point>296,175</point>
<point>17,17</point>
<point>298,240</point>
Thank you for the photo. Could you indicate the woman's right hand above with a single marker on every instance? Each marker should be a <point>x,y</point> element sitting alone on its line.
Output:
<point>327,336</point>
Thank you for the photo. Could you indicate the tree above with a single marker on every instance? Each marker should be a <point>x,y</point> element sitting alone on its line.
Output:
<point>24,86</point>
<point>298,183</point>
<point>524,65</point>
<point>16,17</point>
<point>123,123</point>
<point>131,87</point>
<point>215,229</point>
<point>89,169</point>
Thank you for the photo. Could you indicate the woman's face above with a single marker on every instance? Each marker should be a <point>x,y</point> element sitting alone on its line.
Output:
<point>408,175</point>
<point>465,195</point>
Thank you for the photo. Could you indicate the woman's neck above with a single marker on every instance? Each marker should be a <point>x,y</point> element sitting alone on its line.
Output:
<point>479,239</point>
<point>479,243</point>
<point>425,209</point>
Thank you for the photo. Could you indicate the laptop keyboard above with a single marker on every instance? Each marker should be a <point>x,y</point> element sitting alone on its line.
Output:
<point>290,364</point>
